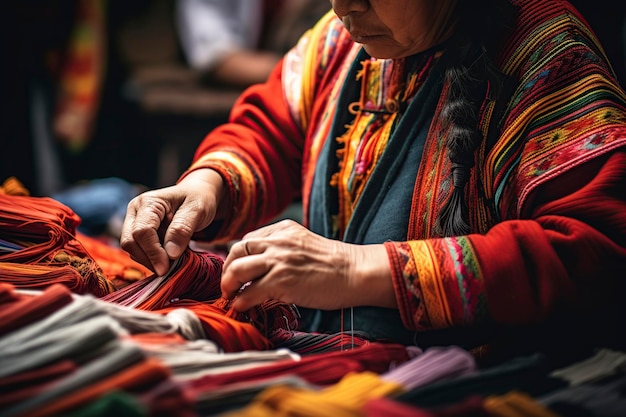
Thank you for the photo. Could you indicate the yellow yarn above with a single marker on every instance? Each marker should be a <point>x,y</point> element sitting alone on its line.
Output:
<point>344,399</point>
<point>516,404</point>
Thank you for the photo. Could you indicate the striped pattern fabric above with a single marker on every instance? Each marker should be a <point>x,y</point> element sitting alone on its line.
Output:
<point>546,193</point>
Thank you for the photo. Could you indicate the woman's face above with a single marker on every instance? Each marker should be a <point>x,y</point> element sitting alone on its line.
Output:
<point>396,28</point>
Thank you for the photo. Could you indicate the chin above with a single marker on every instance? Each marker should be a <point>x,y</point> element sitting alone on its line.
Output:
<point>382,52</point>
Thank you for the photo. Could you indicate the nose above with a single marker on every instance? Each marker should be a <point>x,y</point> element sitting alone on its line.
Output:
<point>345,7</point>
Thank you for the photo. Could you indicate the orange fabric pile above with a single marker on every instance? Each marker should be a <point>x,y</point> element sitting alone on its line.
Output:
<point>42,231</point>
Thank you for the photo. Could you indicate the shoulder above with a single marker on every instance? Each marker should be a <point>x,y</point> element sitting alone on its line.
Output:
<point>544,28</point>
<point>324,43</point>
<point>314,64</point>
<point>551,49</point>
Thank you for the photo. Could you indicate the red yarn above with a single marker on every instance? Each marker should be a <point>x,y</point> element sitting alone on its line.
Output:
<point>45,232</point>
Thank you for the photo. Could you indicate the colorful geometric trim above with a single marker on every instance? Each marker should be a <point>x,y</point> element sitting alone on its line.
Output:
<point>438,282</point>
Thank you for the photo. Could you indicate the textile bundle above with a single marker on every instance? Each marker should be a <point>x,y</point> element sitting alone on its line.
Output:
<point>193,284</point>
<point>74,344</point>
<point>72,355</point>
<point>41,247</point>
<point>55,343</point>
<point>42,231</point>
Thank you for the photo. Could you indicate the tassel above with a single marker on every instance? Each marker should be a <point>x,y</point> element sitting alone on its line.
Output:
<point>115,263</point>
<point>40,277</point>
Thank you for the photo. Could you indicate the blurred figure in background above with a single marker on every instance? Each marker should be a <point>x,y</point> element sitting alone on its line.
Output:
<point>237,43</point>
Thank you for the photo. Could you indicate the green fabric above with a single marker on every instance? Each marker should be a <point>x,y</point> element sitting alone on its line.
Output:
<point>115,403</point>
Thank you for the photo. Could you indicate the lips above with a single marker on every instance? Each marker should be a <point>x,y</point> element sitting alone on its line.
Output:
<point>362,34</point>
<point>363,37</point>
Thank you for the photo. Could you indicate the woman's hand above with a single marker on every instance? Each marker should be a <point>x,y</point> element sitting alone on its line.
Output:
<point>159,223</point>
<point>289,263</point>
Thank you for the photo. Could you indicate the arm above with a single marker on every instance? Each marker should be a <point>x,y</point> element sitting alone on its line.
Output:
<point>523,270</point>
<point>244,173</point>
<point>242,68</point>
<point>258,153</point>
<point>566,256</point>
<point>287,262</point>
<point>555,177</point>
<point>221,40</point>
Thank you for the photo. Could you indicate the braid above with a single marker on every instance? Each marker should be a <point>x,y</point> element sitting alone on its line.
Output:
<point>468,77</point>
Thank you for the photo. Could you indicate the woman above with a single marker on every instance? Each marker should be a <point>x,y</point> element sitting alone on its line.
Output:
<point>461,166</point>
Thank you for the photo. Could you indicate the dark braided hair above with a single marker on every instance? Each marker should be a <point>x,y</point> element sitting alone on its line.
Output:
<point>471,68</point>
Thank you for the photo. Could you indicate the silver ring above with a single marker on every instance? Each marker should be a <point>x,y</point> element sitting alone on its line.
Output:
<point>245,248</point>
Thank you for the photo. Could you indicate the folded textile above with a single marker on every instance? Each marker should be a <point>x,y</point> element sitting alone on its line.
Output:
<point>596,398</point>
<point>22,354</point>
<point>21,386</point>
<point>115,359</point>
<point>529,374</point>
<point>344,399</point>
<point>231,397</point>
<point>514,404</point>
<point>193,359</point>
<point>318,369</point>
<point>20,310</point>
<point>602,365</point>
<point>434,364</point>
<point>77,312</point>
<point>472,406</point>
<point>42,231</point>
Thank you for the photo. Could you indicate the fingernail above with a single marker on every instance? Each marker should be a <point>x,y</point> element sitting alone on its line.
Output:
<point>172,250</point>
<point>161,270</point>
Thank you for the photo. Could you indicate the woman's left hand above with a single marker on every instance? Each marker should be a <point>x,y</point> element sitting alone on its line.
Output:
<point>287,262</point>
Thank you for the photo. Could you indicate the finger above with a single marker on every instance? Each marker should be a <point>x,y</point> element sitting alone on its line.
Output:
<point>128,243</point>
<point>150,246</point>
<point>238,250</point>
<point>243,248</point>
<point>254,294</point>
<point>129,221</point>
<point>136,254</point>
<point>270,229</point>
<point>180,230</point>
<point>141,239</point>
<point>241,271</point>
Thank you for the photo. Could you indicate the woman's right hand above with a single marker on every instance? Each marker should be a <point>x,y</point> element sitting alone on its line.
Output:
<point>160,223</point>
